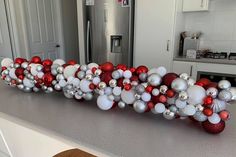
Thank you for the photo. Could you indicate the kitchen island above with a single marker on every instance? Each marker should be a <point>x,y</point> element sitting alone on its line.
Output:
<point>115,132</point>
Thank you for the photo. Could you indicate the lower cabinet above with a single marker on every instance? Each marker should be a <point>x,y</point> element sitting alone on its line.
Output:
<point>185,67</point>
<point>24,142</point>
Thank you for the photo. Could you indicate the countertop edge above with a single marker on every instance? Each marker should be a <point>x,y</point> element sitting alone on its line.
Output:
<point>205,60</point>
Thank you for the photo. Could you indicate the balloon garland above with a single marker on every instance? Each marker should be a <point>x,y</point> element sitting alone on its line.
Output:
<point>172,95</point>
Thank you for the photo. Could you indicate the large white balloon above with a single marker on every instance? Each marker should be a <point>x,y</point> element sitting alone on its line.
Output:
<point>70,71</point>
<point>59,62</point>
<point>28,83</point>
<point>196,95</point>
<point>33,69</point>
<point>128,96</point>
<point>179,85</point>
<point>104,103</point>
<point>189,110</point>
<point>6,62</point>
<point>84,86</point>
<point>159,108</point>
<point>214,119</point>
<point>93,65</point>
<point>12,73</point>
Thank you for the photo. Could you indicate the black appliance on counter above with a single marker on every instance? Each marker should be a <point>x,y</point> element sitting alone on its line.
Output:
<point>220,55</point>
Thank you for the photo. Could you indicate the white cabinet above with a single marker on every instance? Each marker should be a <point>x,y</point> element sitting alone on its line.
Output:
<point>195,5</point>
<point>185,67</point>
<point>154,22</point>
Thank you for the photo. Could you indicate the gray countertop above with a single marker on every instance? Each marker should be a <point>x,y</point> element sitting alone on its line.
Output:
<point>119,132</point>
<point>206,60</point>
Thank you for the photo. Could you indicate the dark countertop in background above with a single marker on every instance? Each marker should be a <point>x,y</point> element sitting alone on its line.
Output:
<point>119,132</point>
<point>206,60</point>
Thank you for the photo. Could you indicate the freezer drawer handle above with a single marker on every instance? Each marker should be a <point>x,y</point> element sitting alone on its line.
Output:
<point>87,42</point>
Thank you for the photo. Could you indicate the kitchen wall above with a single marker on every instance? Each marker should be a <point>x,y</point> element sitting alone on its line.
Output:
<point>218,25</point>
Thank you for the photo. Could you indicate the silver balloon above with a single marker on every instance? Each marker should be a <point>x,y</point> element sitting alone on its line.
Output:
<point>233,93</point>
<point>155,92</point>
<point>179,85</point>
<point>213,92</point>
<point>113,83</point>
<point>60,77</point>
<point>224,84</point>
<point>140,89</point>
<point>57,87</point>
<point>199,108</point>
<point>143,76</point>
<point>39,68</point>
<point>184,76</point>
<point>27,89</point>
<point>35,89</point>
<point>49,90</point>
<point>121,104</point>
<point>98,72</point>
<point>225,95</point>
<point>183,95</point>
<point>102,85</point>
<point>20,86</point>
<point>168,115</point>
<point>44,88</point>
<point>218,105</point>
<point>69,94</point>
<point>140,106</point>
<point>60,69</point>
<point>88,96</point>
<point>154,79</point>
<point>24,65</point>
<point>16,65</point>
<point>191,82</point>
<point>163,89</point>
<point>137,96</point>
<point>54,71</point>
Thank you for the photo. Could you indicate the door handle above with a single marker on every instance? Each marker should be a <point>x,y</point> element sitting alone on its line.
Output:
<point>168,46</point>
<point>202,3</point>
<point>87,42</point>
<point>191,70</point>
<point>57,46</point>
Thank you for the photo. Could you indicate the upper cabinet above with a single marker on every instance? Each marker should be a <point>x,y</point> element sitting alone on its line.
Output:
<point>195,5</point>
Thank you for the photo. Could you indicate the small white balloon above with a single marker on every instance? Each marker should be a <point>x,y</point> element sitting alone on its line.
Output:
<point>146,97</point>
<point>160,108</point>
<point>84,86</point>
<point>199,116</point>
<point>181,104</point>
<point>76,82</point>
<point>154,79</point>
<point>59,62</point>
<point>128,96</point>
<point>155,92</point>
<point>12,73</point>
<point>214,118</point>
<point>96,80</point>
<point>93,65</point>
<point>6,62</point>
<point>196,95</point>
<point>189,110</point>
<point>117,91</point>
<point>104,103</point>
<point>127,74</point>
<point>108,90</point>
<point>224,84</point>
<point>62,83</point>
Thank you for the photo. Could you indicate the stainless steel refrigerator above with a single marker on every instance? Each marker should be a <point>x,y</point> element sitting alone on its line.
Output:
<point>109,31</point>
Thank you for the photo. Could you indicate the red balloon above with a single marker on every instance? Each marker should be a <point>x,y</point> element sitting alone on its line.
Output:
<point>36,59</point>
<point>224,115</point>
<point>106,77</point>
<point>141,69</point>
<point>20,60</point>
<point>4,68</point>
<point>71,62</point>
<point>47,79</point>
<point>121,66</point>
<point>132,70</point>
<point>47,62</point>
<point>120,82</point>
<point>208,101</point>
<point>92,86</point>
<point>21,77</point>
<point>170,93</point>
<point>212,84</point>
<point>169,78</point>
<point>213,128</point>
<point>19,71</point>
<point>155,99</point>
<point>149,89</point>
<point>208,112</point>
<point>47,69</point>
<point>204,81</point>
<point>134,78</point>
<point>127,87</point>
<point>107,67</point>
<point>162,99</point>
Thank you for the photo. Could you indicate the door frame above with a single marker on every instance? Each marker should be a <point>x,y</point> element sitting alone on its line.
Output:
<point>14,30</point>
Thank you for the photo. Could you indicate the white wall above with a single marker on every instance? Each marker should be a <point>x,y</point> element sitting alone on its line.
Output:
<point>218,25</point>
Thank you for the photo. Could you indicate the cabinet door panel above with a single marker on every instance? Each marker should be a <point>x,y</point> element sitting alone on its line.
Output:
<point>195,5</point>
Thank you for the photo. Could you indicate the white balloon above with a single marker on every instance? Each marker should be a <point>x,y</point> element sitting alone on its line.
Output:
<point>33,69</point>
<point>117,91</point>
<point>171,101</point>
<point>96,80</point>
<point>196,95</point>
<point>70,71</point>
<point>146,97</point>
<point>127,74</point>
<point>76,82</point>
<point>93,65</point>
<point>28,83</point>
<point>108,90</point>
<point>104,103</point>
<point>62,83</point>
<point>12,73</point>
<point>70,79</point>
<point>179,85</point>
<point>6,62</point>
<point>199,116</point>
<point>233,92</point>
<point>128,96</point>
<point>189,110</point>
<point>59,62</point>
<point>161,71</point>
<point>160,108</point>
<point>40,75</point>
<point>214,118</point>
<point>155,92</point>
<point>180,104</point>
<point>84,86</point>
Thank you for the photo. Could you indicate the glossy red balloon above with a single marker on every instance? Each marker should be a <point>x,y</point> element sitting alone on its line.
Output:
<point>224,115</point>
<point>169,78</point>
<point>141,69</point>
<point>107,67</point>
<point>204,81</point>
<point>19,71</point>
<point>120,82</point>
<point>149,89</point>
<point>47,69</point>
<point>208,112</point>
<point>212,84</point>
<point>170,93</point>
<point>36,59</point>
<point>47,79</point>
<point>208,101</point>
<point>121,66</point>
<point>127,87</point>
<point>106,77</point>
<point>47,62</point>
<point>19,60</point>
<point>213,128</point>
<point>71,62</point>
<point>162,99</point>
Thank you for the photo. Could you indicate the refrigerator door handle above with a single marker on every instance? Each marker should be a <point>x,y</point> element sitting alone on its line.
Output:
<point>87,42</point>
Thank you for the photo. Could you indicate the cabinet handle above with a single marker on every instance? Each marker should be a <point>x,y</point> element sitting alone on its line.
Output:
<point>202,1</point>
<point>168,46</point>
<point>191,70</point>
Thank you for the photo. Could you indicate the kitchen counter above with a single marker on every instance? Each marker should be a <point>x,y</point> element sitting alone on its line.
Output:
<point>116,132</point>
<point>206,60</point>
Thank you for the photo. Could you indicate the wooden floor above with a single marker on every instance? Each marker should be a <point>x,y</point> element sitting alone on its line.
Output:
<point>74,153</point>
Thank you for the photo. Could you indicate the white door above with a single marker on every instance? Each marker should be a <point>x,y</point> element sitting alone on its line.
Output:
<point>154,20</point>
<point>43,30</point>
<point>5,43</point>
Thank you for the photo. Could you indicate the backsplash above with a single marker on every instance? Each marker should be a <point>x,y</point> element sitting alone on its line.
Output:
<point>218,25</point>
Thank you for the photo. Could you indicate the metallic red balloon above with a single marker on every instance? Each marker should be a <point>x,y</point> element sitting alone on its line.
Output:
<point>169,78</point>
<point>106,77</point>
<point>170,93</point>
<point>47,62</point>
<point>208,101</point>
<point>141,69</point>
<point>121,66</point>
<point>36,59</point>
<point>71,62</point>
<point>19,71</point>
<point>47,79</point>
<point>213,128</point>
<point>107,67</point>
<point>208,112</point>
<point>19,60</point>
